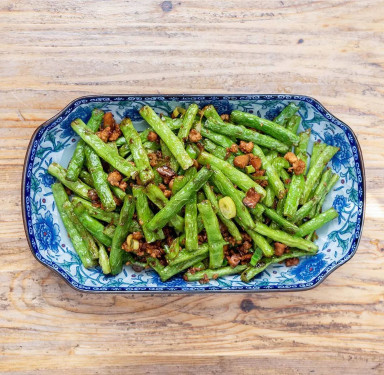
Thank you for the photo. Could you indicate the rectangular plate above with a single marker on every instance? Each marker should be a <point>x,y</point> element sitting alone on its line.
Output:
<point>55,141</point>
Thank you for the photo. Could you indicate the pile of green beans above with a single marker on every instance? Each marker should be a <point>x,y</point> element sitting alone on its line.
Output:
<point>195,192</point>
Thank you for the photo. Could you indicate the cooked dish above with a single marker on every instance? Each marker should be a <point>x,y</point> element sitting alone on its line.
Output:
<point>196,192</point>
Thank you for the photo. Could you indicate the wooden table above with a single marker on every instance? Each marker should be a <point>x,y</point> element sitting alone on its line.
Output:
<point>52,52</point>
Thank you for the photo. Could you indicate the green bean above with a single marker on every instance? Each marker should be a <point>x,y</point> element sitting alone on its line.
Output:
<point>137,150</point>
<point>231,226</point>
<point>191,241</point>
<point>280,163</point>
<point>92,225</point>
<point>320,189</point>
<point>261,242</point>
<point>98,213</point>
<point>304,210</point>
<point>268,127</point>
<point>295,190</point>
<point>224,185</point>
<point>239,178</point>
<point>331,183</point>
<point>281,221</point>
<point>145,215</point>
<point>318,148</point>
<point>218,151</point>
<point>315,172</point>
<point>191,151</point>
<point>188,118</point>
<point>271,155</point>
<point>85,235</point>
<point>78,242</point>
<point>104,260</point>
<point>173,124</point>
<point>215,273</point>
<point>170,139</point>
<point>251,272</point>
<point>215,239</point>
<point>241,132</point>
<point>283,117</point>
<point>167,154</point>
<point>294,124</point>
<point>78,187</point>
<point>269,196</point>
<point>104,151</point>
<point>184,255</point>
<point>109,230</point>
<point>171,270</point>
<point>179,183</point>
<point>155,194</point>
<point>177,202</point>
<point>99,179</point>
<point>173,250</point>
<point>120,235</point>
<point>217,138</point>
<point>86,178</point>
<point>256,257</point>
<point>285,238</point>
<point>210,112</point>
<point>317,222</point>
<point>273,177</point>
<point>78,158</point>
<point>303,143</point>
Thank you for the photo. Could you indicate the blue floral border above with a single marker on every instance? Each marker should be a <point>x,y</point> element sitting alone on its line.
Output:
<point>35,140</point>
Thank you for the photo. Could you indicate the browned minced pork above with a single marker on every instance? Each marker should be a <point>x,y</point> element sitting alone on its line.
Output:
<point>234,260</point>
<point>108,120</point>
<point>292,262</point>
<point>116,133</point>
<point>204,280</point>
<point>202,237</point>
<point>68,191</point>
<point>280,248</point>
<point>167,193</point>
<point>255,161</point>
<point>123,185</point>
<point>154,249</point>
<point>291,157</point>
<point>117,201</point>
<point>171,183</point>
<point>114,178</point>
<point>194,136</point>
<point>262,183</point>
<point>241,161</point>
<point>225,117</point>
<point>162,187</point>
<point>246,147</point>
<point>137,236</point>
<point>245,246</point>
<point>152,159</point>
<point>251,198</point>
<point>92,194</point>
<point>298,167</point>
<point>260,172</point>
<point>196,164</point>
<point>152,136</point>
<point>233,148</point>
<point>104,134</point>
<point>165,171</point>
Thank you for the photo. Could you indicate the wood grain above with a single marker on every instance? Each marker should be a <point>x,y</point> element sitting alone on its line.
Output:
<point>52,52</point>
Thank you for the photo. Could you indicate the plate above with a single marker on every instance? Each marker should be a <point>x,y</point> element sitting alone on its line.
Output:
<point>54,141</point>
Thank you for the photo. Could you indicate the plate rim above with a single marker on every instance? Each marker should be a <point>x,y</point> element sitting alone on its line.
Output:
<point>170,290</point>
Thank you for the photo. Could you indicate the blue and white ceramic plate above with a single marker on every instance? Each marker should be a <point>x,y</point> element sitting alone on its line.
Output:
<point>55,141</point>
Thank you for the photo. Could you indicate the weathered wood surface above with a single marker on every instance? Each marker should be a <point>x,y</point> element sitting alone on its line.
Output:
<point>54,51</point>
